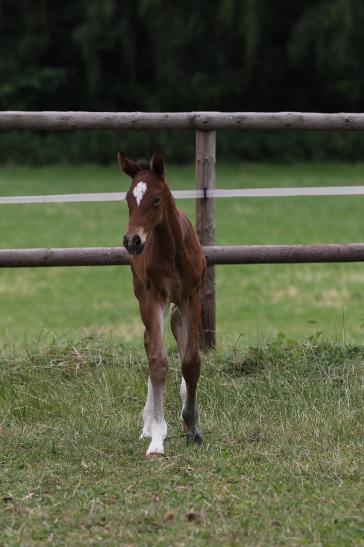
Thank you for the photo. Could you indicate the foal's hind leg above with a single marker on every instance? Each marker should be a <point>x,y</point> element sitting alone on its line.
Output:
<point>179,332</point>
<point>191,364</point>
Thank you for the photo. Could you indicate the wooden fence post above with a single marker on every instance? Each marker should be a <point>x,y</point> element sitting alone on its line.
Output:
<point>205,227</point>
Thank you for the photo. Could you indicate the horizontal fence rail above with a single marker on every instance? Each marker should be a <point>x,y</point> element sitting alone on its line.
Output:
<point>192,194</point>
<point>62,121</point>
<point>240,254</point>
<point>205,125</point>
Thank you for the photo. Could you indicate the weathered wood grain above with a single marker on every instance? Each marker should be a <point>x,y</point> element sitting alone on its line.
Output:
<point>239,254</point>
<point>205,227</point>
<point>61,121</point>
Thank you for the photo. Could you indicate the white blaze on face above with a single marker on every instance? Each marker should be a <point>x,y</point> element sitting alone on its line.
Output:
<point>139,191</point>
<point>142,235</point>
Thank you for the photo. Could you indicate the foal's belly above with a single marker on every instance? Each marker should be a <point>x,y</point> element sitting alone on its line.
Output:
<point>170,291</point>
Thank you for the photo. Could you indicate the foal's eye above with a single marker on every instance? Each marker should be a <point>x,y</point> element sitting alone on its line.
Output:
<point>157,200</point>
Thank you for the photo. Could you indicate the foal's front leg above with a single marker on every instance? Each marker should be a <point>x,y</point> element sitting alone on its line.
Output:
<point>155,425</point>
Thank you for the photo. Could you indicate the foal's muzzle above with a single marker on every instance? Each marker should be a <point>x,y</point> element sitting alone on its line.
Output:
<point>133,245</point>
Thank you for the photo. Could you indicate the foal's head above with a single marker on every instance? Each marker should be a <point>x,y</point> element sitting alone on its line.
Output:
<point>145,199</point>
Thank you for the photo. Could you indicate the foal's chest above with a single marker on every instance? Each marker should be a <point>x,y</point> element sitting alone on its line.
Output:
<point>161,278</point>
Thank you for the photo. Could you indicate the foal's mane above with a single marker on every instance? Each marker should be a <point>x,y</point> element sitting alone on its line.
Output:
<point>143,164</point>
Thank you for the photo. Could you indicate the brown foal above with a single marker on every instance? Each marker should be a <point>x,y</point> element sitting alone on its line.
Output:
<point>168,266</point>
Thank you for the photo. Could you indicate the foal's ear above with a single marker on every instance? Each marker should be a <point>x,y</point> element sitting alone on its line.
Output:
<point>129,167</point>
<point>157,165</point>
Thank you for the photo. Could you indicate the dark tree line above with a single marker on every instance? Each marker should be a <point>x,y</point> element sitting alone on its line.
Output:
<point>153,55</point>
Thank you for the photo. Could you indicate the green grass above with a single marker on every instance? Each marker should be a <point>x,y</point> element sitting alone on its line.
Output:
<point>282,462</point>
<point>281,401</point>
<point>254,302</point>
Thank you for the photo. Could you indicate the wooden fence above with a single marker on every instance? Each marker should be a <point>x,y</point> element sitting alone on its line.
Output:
<point>205,124</point>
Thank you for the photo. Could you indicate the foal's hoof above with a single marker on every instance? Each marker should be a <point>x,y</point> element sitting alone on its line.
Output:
<point>154,455</point>
<point>155,451</point>
<point>194,437</point>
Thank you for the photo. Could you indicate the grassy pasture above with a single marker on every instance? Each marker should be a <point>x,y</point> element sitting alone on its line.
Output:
<point>253,302</point>
<point>281,401</point>
<point>282,462</point>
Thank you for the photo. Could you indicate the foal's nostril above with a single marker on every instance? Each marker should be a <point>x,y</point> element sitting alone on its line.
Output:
<point>133,244</point>
<point>136,242</point>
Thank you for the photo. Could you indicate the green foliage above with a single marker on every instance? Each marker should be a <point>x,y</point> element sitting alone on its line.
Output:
<point>44,148</point>
<point>157,56</point>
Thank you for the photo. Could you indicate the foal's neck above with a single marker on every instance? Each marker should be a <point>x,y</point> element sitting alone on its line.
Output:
<point>168,235</point>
